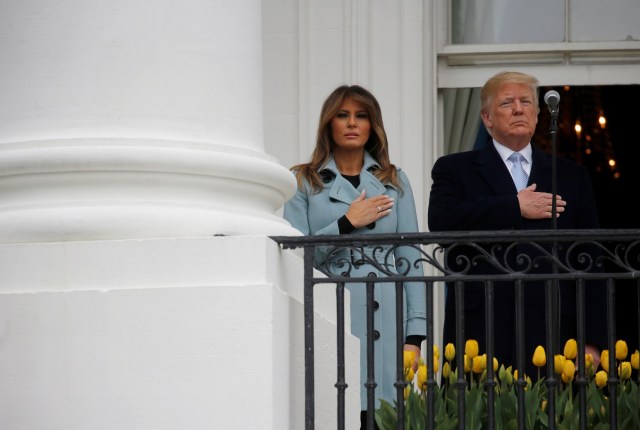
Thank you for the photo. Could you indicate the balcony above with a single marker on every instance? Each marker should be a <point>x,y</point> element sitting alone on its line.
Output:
<point>587,261</point>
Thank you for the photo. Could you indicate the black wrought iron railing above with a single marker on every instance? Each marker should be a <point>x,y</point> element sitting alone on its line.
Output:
<point>583,258</point>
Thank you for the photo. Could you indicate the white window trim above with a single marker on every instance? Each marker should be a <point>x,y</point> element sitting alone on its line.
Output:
<point>566,63</point>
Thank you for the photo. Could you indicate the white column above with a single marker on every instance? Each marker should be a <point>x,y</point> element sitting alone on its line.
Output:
<point>134,119</point>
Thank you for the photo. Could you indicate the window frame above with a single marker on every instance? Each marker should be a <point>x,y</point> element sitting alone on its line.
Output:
<point>564,63</point>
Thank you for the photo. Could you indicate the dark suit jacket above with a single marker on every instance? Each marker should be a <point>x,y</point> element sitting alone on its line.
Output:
<point>474,191</point>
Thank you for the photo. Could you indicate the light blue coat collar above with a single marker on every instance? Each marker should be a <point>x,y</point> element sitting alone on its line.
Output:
<point>343,191</point>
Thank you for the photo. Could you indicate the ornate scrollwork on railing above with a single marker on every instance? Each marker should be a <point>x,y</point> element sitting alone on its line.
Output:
<point>576,252</point>
<point>525,257</point>
<point>505,258</point>
<point>622,257</point>
<point>383,258</point>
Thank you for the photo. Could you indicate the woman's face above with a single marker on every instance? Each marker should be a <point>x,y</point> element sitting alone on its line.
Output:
<point>350,126</point>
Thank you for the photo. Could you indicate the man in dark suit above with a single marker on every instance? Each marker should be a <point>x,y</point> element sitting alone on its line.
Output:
<point>476,190</point>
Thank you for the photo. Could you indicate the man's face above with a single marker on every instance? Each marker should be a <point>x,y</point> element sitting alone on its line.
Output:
<point>512,116</point>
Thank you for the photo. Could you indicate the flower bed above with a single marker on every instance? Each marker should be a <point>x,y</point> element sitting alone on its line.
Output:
<point>505,395</point>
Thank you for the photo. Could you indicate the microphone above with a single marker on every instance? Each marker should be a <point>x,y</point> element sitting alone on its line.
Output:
<point>552,99</point>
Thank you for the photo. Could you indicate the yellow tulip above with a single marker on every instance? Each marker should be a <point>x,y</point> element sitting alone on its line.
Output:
<point>588,361</point>
<point>407,390</point>
<point>558,363</point>
<point>569,370</point>
<point>495,364</point>
<point>408,358</point>
<point>446,370</point>
<point>604,360</point>
<point>436,351</point>
<point>467,364</point>
<point>450,352</point>
<point>539,357</point>
<point>436,364</point>
<point>471,348</point>
<point>422,378</point>
<point>601,378</point>
<point>477,364</point>
<point>635,360</point>
<point>621,350</point>
<point>409,374</point>
<point>515,374</point>
<point>571,349</point>
<point>565,378</point>
<point>624,370</point>
<point>543,406</point>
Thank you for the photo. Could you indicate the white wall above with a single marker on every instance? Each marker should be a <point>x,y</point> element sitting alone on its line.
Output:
<point>161,334</point>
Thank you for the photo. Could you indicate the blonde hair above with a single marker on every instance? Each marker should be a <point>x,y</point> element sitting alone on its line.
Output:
<point>493,85</point>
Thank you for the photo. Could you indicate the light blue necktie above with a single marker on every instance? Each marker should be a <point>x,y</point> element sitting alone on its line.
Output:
<point>520,177</point>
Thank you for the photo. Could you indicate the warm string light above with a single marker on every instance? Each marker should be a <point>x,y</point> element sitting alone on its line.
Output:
<point>586,136</point>
<point>602,120</point>
<point>595,137</point>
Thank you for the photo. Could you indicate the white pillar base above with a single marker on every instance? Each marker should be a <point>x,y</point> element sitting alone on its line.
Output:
<point>94,189</point>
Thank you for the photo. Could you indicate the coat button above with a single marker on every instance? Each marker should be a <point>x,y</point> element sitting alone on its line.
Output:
<point>376,305</point>
<point>376,335</point>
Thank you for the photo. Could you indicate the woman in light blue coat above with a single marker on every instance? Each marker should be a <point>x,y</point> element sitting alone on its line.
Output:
<point>350,187</point>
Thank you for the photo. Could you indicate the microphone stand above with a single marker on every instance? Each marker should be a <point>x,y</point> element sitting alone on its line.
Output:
<point>553,128</point>
<point>553,290</point>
